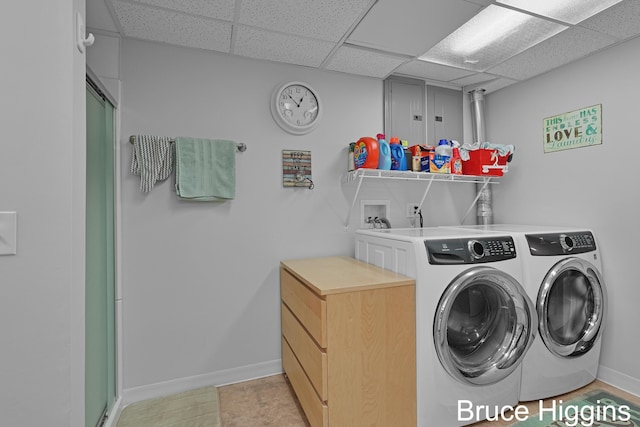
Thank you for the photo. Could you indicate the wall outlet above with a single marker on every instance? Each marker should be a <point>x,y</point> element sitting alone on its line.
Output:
<point>412,209</point>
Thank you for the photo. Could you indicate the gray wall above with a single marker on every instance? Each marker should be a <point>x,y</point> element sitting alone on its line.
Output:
<point>200,292</point>
<point>200,281</point>
<point>42,158</point>
<point>593,187</point>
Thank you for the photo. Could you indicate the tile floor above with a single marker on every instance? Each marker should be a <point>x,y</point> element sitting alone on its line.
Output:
<point>193,408</point>
<point>265,402</point>
<point>270,402</point>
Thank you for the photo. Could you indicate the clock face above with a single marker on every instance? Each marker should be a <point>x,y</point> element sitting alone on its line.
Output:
<point>296,107</point>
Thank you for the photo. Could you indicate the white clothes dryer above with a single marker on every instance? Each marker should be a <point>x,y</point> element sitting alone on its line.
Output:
<point>562,273</point>
<point>474,321</point>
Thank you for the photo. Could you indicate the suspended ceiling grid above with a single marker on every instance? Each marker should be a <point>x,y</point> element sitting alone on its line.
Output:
<point>374,38</point>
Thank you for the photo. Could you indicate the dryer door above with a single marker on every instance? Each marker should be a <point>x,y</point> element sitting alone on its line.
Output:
<point>483,326</point>
<point>571,307</point>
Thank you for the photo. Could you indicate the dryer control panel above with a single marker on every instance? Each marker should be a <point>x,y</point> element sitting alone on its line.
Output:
<point>550,244</point>
<point>470,250</point>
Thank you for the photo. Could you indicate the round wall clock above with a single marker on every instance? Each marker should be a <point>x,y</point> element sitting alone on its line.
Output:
<point>296,107</point>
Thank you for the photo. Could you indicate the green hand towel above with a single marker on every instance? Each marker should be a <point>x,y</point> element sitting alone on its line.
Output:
<point>205,169</point>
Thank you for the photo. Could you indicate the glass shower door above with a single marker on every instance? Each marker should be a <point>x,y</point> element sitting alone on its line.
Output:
<point>100,266</point>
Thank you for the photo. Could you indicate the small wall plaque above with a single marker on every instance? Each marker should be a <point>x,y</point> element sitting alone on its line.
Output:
<point>296,168</point>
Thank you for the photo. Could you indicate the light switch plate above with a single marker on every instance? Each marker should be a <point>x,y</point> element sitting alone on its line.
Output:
<point>8,233</point>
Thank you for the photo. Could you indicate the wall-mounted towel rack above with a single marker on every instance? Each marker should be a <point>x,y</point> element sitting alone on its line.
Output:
<point>241,146</point>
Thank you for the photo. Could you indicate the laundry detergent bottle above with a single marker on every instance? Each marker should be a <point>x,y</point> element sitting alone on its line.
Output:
<point>398,161</point>
<point>384,157</point>
<point>456,161</point>
<point>442,158</point>
<point>366,153</point>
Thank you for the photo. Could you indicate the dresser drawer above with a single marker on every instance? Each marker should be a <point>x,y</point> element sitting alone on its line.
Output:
<point>309,308</point>
<point>311,357</point>
<point>317,413</point>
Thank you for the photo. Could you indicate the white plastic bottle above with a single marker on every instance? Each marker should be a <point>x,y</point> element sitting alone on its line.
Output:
<point>443,156</point>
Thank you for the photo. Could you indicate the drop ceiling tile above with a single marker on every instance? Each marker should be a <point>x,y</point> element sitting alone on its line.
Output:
<point>429,70</point>
<point>410,27</point>
<point>621,21</point>
<point>149,23</point>
<point>566,47</point>
<point>570,12</point>
<point>363,62</point>
<point>481,2</point>
<point>320,19</point>
<point>490,85</point>
<point>491,37</point>
<point>219,9</point>
<point>474,79</point>
<point>260,44</point>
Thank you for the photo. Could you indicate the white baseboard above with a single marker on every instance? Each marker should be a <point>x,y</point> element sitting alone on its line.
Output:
<point>619,380</point>
<point>218,378</point>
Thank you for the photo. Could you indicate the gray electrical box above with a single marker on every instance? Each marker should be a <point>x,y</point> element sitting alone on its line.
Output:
<point>444,114</point>
<point>404,109</point>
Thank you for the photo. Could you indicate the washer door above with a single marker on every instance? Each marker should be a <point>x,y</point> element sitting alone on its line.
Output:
<point>571,307</point>
<point>483,326</point>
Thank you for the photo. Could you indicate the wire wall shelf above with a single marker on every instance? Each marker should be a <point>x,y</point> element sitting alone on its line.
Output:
<point>357,177</point>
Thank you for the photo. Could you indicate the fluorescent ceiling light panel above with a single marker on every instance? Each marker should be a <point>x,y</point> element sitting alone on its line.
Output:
<point>491,37</point>
<point>569,11</point>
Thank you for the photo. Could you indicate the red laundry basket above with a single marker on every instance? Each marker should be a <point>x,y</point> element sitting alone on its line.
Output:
<point>485,162</point>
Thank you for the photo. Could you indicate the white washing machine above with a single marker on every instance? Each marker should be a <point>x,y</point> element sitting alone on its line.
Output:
<point>562,273</point>
<point>474,321</point>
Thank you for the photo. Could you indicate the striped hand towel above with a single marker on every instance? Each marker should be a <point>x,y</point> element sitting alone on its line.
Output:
<point>152,160</point>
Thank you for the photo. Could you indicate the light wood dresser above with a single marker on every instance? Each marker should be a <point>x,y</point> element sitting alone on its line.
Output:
<point>348,342</point>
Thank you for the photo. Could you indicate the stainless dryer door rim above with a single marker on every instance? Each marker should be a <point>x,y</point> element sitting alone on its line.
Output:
<point>483,326</point>
<point>561,334</point>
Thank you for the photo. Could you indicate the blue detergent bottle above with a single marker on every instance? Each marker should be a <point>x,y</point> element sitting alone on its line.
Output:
<point>398,161</point>
<point>384,158</point>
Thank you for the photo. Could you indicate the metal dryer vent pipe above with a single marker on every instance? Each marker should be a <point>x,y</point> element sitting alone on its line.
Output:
<point>484,210</point>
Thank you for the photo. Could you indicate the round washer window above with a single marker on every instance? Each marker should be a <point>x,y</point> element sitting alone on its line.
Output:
<point>571,305</point>
<point>483,326</point>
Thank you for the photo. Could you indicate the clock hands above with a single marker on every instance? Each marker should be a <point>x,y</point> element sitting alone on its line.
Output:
<point>294,101</point>
<point>298,103</point>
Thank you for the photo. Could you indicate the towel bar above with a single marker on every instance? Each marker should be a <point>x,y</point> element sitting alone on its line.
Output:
<point>241,146</point>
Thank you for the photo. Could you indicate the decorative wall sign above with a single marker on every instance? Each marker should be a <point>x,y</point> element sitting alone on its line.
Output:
<point>296,168</point>
<point>575,129</point>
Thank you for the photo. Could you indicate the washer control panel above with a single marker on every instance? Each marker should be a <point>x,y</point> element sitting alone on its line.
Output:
<point>550,244</point>
<point>470,251</point>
